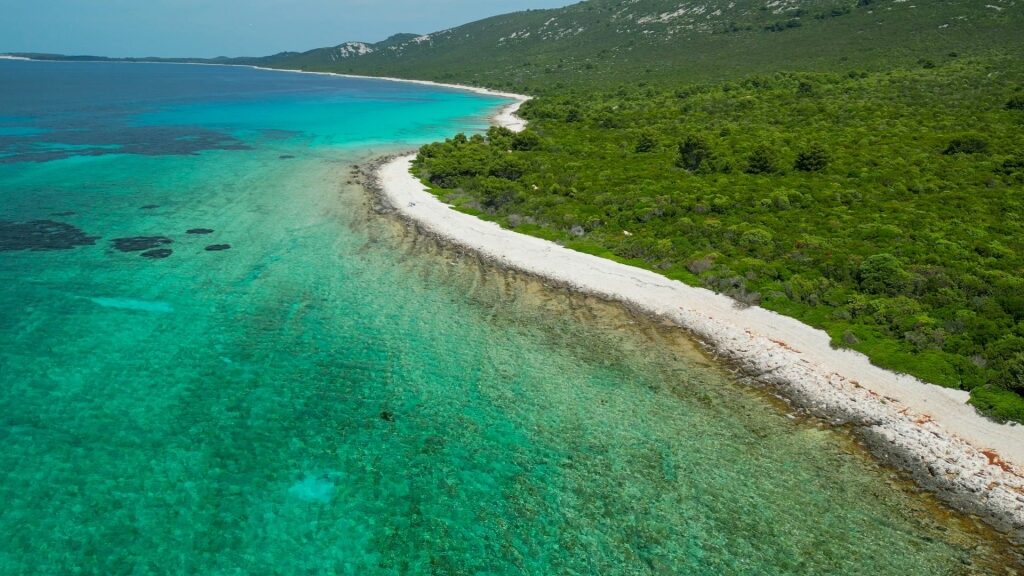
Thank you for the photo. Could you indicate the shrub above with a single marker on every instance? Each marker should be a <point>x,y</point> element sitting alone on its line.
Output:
<point>1016,102</point>
<point>882,274</point>
<point>756,238</point>
<point>966,145</point>
<point>813,159</point>
<point>998,403</point>
<point>700,265</point>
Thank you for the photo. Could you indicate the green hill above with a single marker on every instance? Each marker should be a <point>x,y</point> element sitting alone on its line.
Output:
<point>602,42</point>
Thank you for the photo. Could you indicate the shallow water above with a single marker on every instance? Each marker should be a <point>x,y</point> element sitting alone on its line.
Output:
<point>334,395</point>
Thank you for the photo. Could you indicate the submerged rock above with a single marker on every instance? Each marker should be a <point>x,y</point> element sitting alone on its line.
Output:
<point>200,231</point>
<point>140,243</point>
<point>42,235</point>
<point>315,488</point>
<point>286,157</point>
<point>218,247</point>
<point>387,416</point>
<point>157,254</point>
<point>150,207</point>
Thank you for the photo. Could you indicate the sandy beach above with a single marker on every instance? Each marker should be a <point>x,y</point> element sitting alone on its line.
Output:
<point>973,463</point>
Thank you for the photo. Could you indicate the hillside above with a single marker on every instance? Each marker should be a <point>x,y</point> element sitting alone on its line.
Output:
<point>601,42</point>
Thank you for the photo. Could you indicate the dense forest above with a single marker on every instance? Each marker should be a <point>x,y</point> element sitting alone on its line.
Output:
<point>884,207</point>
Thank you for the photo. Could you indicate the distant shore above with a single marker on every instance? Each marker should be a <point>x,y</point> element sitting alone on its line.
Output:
<point>973,463</point>
<point>506,117</point>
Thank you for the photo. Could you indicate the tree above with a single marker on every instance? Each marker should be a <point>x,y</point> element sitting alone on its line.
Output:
<point>1013,167</point>
<point>495,193</point>
<point>500,136</point>
<point>694,154</point>
<point>1012,373</point>
<point>1007,358</point>
<point>525,140</point>
<point>966,145</point>
<point>1016,102</point>
<point>508,167</point>
<point>645,143</point>
<point>762,161</point>
<point>813,159</point>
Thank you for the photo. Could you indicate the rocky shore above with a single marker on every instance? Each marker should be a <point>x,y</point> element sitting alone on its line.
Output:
<point>974,464</point>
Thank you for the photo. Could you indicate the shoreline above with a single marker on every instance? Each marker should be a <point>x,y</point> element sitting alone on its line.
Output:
<point>505,117</point>
<point>974,464</point>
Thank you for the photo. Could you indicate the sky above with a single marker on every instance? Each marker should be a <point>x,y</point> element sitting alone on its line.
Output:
<point>208,28</point>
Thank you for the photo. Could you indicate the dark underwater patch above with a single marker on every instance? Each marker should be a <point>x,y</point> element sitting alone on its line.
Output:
<point>150,207</point>
<point>286,156</point>
<point>218,247</point>
<point>200,231</point>
<point>140,243</point>
<point>100,140</point>
<point>277,134</point>
<point>157,254</point>
<point>42,235</point>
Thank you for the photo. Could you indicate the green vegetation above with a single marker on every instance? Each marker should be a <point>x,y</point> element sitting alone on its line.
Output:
<point>883,207</point>
<point>605,43</point>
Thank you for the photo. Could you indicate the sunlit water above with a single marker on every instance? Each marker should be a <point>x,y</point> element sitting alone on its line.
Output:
<point>329,394</point>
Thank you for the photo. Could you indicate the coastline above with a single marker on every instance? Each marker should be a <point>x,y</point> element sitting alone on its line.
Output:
<point>973,463</point>
<point>506,117</point>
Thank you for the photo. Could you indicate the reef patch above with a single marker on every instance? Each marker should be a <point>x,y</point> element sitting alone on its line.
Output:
<point>42,235</point>
<point>140,243</point>
<point>157,254</point>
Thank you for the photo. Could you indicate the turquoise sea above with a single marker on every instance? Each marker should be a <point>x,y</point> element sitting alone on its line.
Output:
<point>302,386</point>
